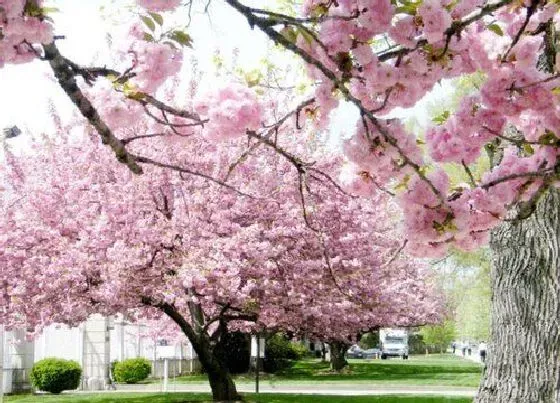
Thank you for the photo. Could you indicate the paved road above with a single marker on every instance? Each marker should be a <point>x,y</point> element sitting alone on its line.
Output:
<point>324,388</point>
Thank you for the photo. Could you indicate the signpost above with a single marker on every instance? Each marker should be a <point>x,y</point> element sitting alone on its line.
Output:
<point>258,361</point>
<point>165,373</point>
<point>257,352</point>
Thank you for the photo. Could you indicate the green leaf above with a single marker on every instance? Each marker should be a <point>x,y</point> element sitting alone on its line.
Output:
<point>528,149</point>
<point>253,77</point>
<point>48,10</point>
<point>319,10</point>
<point>148,37</point>
<point>181,38</point>
<point>496,29</point>
<point>149,22</point>
<point>410,9</point>
<point>306,35</point>
<point>548,138</point>
<point>442,118</point>
<point>289,33</point>
<point>157,17</point>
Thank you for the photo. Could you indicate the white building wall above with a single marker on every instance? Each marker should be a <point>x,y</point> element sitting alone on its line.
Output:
<point>96,353</point>
<point>59,341</point>
<point>17,361</point>
<point>94,344</point>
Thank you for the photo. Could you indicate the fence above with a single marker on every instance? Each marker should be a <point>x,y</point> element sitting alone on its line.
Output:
<point>16,380</point>
<point>175,367</point>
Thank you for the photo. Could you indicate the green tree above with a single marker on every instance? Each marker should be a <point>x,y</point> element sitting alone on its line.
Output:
<point>439,336</point>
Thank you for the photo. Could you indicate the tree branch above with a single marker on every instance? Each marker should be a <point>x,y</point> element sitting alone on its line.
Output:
<point>66,78</point>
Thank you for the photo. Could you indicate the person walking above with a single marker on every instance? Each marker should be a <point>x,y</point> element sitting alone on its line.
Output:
<point>482,347</point>
<point>454,346</point>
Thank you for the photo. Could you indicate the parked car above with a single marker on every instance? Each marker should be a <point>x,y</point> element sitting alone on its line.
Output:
<point>372,353</point>
<point>355,352</point>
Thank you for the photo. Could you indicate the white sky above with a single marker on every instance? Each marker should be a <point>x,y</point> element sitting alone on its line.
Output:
<point>26,91</point>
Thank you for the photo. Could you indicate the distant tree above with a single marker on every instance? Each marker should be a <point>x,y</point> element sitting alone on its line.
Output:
<point>369,340</point>
<point>439,336</point>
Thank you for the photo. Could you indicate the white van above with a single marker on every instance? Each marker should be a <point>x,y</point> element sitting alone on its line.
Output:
<point>394,343</point>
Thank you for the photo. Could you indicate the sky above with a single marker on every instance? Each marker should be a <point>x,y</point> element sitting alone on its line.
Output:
<point>28,92</point>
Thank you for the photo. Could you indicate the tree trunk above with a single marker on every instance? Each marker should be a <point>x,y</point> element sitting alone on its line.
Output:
<point>221,382</point>
<point>523,358</point>
<point>223,388</point>
<point>338,355</point>
<point>323,352</point>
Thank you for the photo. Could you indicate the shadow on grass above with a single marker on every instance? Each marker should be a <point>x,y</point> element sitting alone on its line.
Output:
<point>434,370</point>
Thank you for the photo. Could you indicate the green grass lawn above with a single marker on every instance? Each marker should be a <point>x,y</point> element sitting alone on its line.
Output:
<point>204,397</point>
<point>433,370</point>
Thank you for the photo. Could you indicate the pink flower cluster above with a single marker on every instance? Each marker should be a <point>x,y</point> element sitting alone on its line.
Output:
<point>375,157</point>
<point>84,235</point>
<point>115,109</point>
<point>516,94</point>
<point>461,137</point>
<point>19,32</point>
<point>230,110</point>
<point>435,19</point>
<point>153,64</point>
<point>159,5</point>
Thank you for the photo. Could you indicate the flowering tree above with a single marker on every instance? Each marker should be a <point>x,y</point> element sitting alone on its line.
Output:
<point>378,55</point>
<point>83,235</point>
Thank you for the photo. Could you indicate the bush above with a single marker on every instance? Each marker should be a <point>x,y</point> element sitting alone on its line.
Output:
<point>279,351</point>
<point>133,370</point>
<point>369,340</point>
<point>55,375</point>
<point>298,351</point>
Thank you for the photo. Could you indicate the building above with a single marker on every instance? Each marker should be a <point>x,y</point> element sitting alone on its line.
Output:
<point>94,344</point>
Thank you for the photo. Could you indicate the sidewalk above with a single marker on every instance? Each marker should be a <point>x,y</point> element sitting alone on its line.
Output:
<point>474,357</point>
<point>322,388</point>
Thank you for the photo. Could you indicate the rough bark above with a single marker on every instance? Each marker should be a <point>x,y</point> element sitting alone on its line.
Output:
<point>221,381</point>
<point>523,361</point>
<point>338,355</point>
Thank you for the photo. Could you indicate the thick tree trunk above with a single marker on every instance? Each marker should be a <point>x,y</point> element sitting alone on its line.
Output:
<point>223,388</point>
<point>523,359</point>
<point>338,355</point>
<point>323,352</point>
<point>221,382</point>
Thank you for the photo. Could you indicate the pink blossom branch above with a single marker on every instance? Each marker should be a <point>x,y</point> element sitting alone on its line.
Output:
<point>66,78</point>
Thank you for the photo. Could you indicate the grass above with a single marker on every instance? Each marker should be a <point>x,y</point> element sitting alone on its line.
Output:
<point>433,370</point>
<point>205,397</point>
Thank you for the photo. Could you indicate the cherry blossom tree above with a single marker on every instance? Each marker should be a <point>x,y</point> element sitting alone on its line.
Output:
<point>82,235</point>
<point>376,55</point>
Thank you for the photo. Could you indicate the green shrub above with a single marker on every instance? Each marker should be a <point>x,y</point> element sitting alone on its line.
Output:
<point>369,340</point>
<point>279,351</point>
<point>55,375</point>
<point>133,370</point>
<point>298,351</point>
